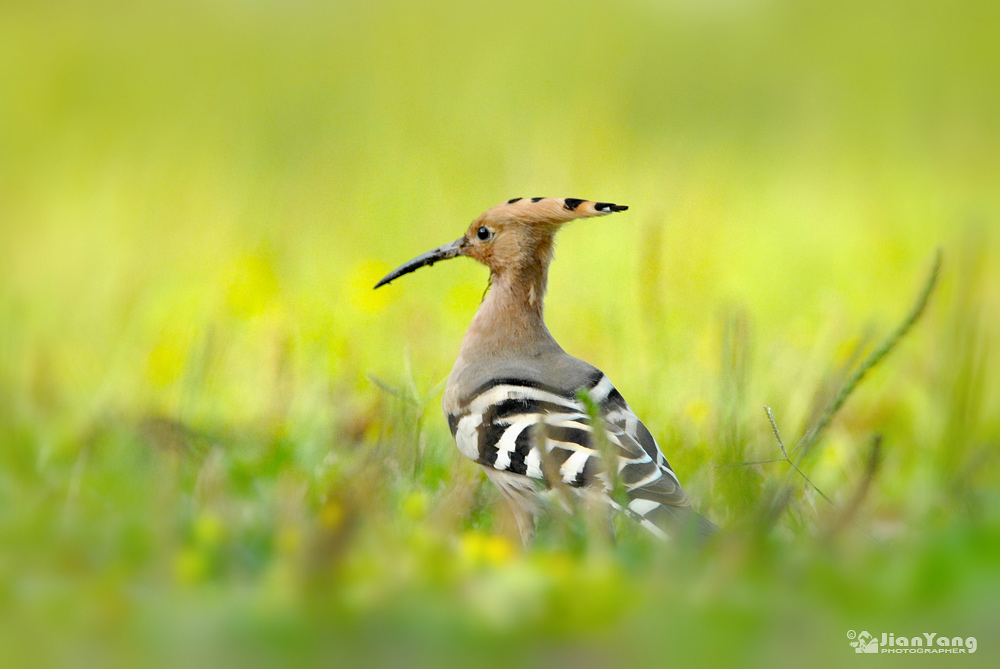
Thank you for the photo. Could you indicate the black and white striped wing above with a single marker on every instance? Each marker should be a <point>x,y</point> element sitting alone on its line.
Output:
<point>544,434</point>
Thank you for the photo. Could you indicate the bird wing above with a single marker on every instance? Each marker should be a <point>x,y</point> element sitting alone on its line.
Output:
<point>544,433</point>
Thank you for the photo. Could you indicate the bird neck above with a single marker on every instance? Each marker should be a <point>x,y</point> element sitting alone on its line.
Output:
<point>509,322</point>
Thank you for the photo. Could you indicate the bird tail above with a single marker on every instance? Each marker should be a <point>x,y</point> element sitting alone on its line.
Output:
<point>674,522</point>
<point>686,524</point>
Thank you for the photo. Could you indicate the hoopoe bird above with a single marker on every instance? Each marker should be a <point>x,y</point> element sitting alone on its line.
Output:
<point>517,404</point>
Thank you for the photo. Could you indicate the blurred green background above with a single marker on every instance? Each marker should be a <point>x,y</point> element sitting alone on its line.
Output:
<point>219,445</point>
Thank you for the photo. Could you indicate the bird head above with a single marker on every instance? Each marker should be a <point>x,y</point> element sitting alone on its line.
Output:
<point>514,234</point>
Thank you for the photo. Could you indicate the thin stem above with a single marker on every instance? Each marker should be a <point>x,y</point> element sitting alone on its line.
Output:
<point>784,453</point>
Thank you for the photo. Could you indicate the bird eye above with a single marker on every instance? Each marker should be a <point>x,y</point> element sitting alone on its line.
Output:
<point>483,233</point>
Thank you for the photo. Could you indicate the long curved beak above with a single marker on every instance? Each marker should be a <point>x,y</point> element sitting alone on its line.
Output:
<point>440,253</point>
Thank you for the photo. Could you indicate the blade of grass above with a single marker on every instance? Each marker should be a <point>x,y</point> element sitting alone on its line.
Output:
<point>813,434</point>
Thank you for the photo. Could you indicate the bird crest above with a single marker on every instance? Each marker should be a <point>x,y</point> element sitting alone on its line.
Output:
<point>548,210</point>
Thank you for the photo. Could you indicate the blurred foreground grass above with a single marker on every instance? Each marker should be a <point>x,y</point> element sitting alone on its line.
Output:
<point>198,465</point>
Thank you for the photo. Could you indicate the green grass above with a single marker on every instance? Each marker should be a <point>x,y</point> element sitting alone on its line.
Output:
<point>219,445</point>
